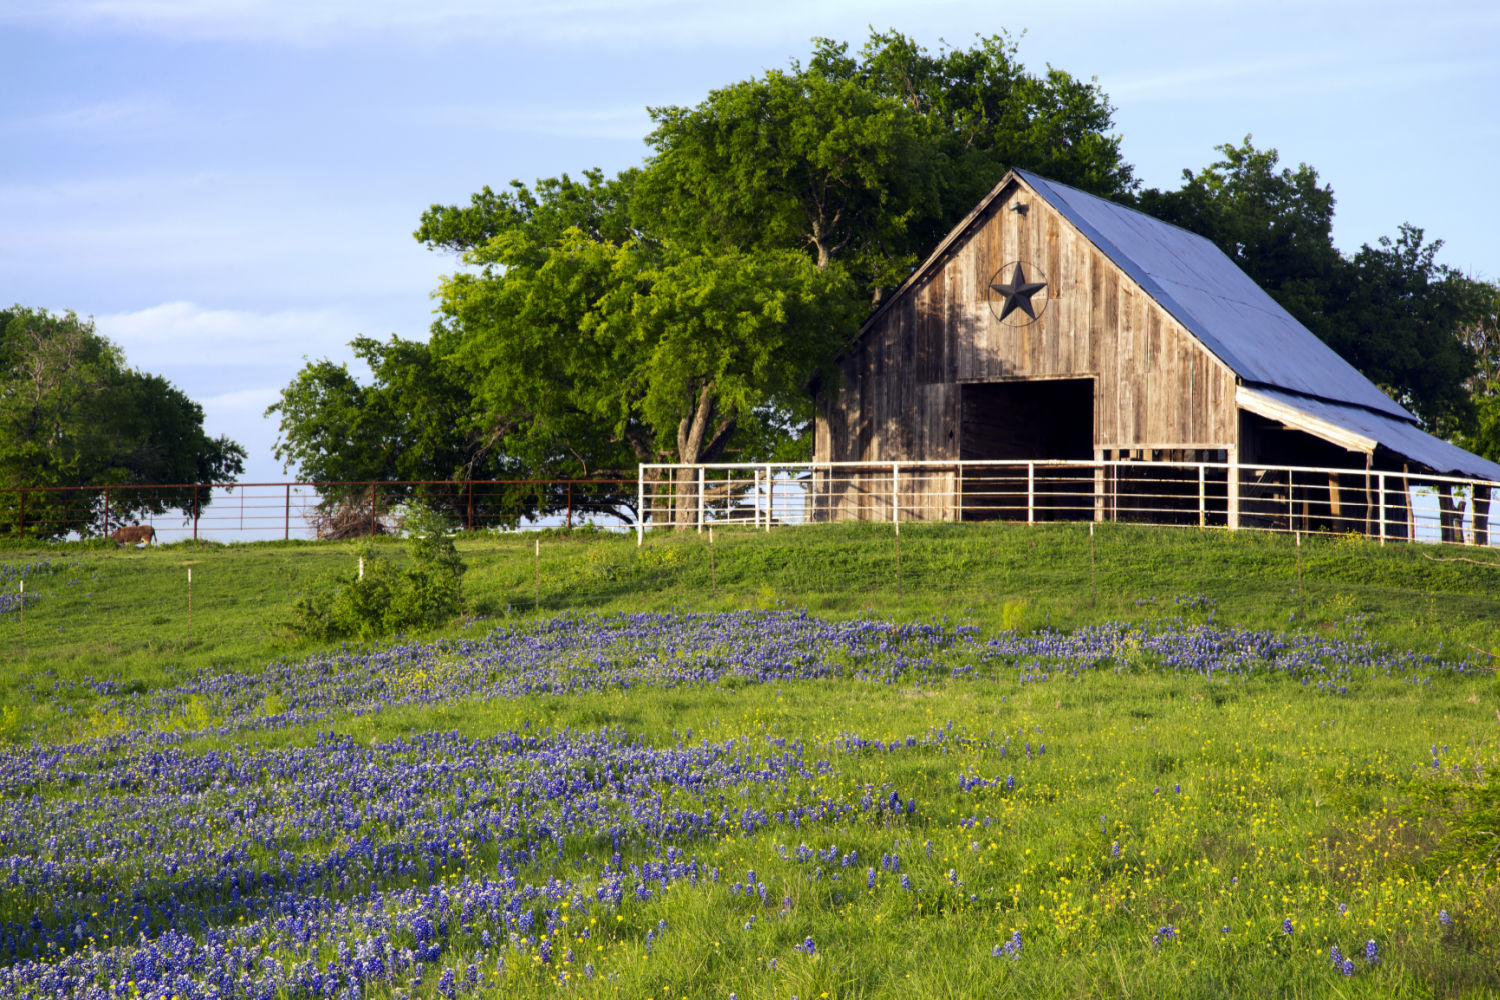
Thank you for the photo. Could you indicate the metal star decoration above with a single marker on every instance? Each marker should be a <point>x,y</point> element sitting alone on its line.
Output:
<point>1017,293</point>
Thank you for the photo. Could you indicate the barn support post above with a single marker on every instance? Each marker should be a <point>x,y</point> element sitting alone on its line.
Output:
<point>1202,497</point>
<point>640,505</point>
<point>770,497</point>
<point>1482,514</point>
<point>1030,492</point>
<point>1233,516</point>
<point>700,499</point>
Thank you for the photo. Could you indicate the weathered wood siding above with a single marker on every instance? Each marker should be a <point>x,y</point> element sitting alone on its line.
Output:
<point>1156,386</point>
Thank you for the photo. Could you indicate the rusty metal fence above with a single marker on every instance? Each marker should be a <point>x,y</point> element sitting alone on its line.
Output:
<point>262,511</point>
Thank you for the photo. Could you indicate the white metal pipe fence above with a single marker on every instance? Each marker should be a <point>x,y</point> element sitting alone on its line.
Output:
<point>1383,504</point>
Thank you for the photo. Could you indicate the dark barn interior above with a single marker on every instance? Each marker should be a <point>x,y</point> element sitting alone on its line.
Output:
<point>1040,420</point>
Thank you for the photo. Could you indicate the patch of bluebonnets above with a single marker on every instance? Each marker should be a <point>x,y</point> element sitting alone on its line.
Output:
<point>137,862</point>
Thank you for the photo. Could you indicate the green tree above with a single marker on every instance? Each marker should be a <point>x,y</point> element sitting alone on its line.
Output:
<point>1390,310</point>
<point>1482,338</point>
<point>1276,225</point>
<point>984,113</point>
<point>1400,323</point>
<point>406,423</point>
<point>792,160</point>
<point>598,352</point>
<point>72,414</point>
<point>869,158</point>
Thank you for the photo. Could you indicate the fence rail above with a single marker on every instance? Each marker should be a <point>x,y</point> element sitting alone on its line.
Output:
<point>1380,504</point>
<point>1388,505</point>
<point>247,511</point>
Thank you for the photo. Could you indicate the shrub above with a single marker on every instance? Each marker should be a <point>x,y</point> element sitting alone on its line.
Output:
<point>387,597</point>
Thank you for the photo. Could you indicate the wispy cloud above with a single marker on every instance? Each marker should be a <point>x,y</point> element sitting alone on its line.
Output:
<point>179,335</point>
<point>112,116</point>
<point>554,21</point>
<point>241,402</point>
<point>631,122</point>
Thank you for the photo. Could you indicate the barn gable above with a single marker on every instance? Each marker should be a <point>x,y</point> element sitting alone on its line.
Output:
<point>1147,341</point>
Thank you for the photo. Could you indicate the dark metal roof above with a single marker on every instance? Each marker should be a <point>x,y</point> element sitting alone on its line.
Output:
<point>1403,438</point>
<point>1217,302</point>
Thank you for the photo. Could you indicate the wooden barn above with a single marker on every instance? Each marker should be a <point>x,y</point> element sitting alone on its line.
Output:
<point>1053,325</point>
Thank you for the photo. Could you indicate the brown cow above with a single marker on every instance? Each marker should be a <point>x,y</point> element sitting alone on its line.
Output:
<point>131,534</point>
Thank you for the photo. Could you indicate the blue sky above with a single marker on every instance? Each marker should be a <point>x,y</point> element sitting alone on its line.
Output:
<point>230,186</point>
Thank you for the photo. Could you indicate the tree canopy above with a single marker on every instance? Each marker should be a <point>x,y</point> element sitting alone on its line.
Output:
<point>73,414</point>
<point>1391,310</point>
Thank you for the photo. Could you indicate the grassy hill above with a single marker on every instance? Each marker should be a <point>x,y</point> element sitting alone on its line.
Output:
<point>987,772</point>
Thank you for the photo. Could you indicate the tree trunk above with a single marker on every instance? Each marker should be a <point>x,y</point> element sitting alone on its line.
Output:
<point>1450,515</point>
<point>695,443</point>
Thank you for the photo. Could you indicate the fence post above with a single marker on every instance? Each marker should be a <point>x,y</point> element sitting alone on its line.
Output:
<point>896,495</point>
<point>286,517</point>
<point>1291,503</point>
<point>1030,492</point>
<point>640,505</point>
<point>1380,491</point>
<point>755,492</point>
<point>195,513</point>
<point>106,511</point>
<point>570,505</point>
<point>372,510</point>
<point>1233,489</point>
<point>700,499</point>
<point>770,496</point>
<point>21,531</point>
<point>1202,498</point>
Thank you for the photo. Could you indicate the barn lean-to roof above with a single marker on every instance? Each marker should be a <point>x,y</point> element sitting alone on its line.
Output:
<point>1281,365</point>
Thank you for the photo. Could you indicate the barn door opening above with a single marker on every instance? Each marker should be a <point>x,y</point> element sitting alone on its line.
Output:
<point>1040,420</point>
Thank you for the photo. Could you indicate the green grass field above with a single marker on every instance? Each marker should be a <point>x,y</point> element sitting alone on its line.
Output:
<point>1183,775</point>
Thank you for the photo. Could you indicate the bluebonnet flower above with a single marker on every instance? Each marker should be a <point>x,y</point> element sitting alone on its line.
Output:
<point>1444,919</point>
<point>807,947</point>
<point>1372,953</point>
<point>1286,926</point>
